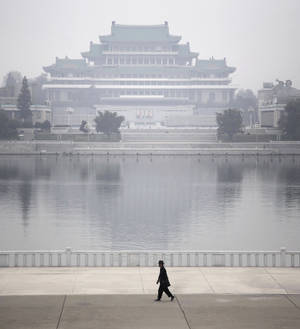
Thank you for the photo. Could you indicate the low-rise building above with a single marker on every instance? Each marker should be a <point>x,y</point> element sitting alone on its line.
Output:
<point>40,113</point>
<point>272,100</point>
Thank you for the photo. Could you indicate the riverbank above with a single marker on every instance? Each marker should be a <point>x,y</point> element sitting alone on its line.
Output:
<point>147,148</point>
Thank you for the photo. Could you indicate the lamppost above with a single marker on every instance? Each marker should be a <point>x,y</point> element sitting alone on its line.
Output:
<point>69,111</point>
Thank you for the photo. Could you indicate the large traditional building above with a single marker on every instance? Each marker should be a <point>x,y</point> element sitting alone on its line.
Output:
<point>145,74</point>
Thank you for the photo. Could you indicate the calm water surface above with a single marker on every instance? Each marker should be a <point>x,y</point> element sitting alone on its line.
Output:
<point>149,203</point>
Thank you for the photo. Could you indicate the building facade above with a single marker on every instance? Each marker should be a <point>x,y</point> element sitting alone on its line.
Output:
<point>145,74</point>
<point>272,99</point>
<point>40,113</point>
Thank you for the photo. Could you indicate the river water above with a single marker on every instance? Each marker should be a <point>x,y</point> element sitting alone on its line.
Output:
<point>150,203</point>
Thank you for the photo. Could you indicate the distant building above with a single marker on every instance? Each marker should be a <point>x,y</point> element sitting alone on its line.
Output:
<point>144,74</point>
<point>40,113</point>
<point>10,92</point>
<point>272,100</point>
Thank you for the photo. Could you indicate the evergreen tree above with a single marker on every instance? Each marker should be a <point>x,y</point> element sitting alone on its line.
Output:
<point>290,121</point>
<point>8,128</point>
<point>108,122</point>
<point>24,102</point>
<point>229,122</point>
<point>245,99</point>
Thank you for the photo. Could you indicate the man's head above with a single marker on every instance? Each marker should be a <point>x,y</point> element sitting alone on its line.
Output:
<point>161,263</point>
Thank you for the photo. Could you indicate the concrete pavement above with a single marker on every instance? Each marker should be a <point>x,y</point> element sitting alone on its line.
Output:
<point>141,280</point>
<point>140,311</point>
<point>112,298</point>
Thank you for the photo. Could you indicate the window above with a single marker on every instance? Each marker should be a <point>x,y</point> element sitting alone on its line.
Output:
<point>109,61</point>
<point>212,97</point>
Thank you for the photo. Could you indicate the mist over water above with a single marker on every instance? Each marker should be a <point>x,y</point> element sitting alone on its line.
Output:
<point>163,202</point>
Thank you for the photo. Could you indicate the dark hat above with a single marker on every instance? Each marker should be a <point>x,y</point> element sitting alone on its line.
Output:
<point>161,262</point>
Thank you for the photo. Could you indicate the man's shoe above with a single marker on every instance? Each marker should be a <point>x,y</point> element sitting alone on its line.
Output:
<point>157,300</point>
<point>172,298</point>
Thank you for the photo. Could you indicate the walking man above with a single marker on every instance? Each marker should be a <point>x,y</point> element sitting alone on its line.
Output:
<point>164,283</point>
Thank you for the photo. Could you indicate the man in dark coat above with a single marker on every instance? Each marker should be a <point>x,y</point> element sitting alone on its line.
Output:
<point>164,282</point>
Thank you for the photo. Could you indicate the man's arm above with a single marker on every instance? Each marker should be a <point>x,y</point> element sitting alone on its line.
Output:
<point>158,280</point>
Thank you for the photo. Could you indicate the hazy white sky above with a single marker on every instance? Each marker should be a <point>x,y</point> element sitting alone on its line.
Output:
<point>261,38</point>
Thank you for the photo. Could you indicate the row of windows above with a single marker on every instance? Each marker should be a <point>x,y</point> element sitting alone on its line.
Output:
<point>165,93</point>
<point>211,97</point>
<point>139,76</point>
<point>133,60</point>
<point>150,83</point>
<point>140,48</point>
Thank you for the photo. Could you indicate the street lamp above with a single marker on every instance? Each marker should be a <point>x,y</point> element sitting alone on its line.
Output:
<point>69,111</point>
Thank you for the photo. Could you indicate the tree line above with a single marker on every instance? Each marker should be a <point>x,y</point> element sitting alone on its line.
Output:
<point>230,122</point>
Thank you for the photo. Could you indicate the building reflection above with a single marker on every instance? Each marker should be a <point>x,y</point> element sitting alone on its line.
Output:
<point>288,178</point>
<point>169,203</point>
<point>229,182</point>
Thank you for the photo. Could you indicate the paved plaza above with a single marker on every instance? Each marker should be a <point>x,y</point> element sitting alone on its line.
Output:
<point>88,298</point>
<point>141,280</point>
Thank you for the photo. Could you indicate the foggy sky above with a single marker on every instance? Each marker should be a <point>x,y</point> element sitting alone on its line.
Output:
<point>259,37</point>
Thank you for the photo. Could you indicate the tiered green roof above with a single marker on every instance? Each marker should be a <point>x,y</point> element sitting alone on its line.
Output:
<point>211,65</point>
<point>94,52</point>
<point>185,51</point>
<point>140,33</point>
<point>66,65</point>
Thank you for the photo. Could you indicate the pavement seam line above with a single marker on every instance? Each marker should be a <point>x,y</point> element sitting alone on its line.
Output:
<point>141,278</point>
<point>291,301</point>
<point>280,285</point>
<point>286,294</point>
<point>61,312</point>
<point>205,278</point>
<point>182,311</point>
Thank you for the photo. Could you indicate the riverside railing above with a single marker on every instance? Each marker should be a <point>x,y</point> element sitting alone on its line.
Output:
<point>73,258</point>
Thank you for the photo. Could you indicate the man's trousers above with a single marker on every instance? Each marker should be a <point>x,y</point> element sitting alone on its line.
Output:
<point>163,288</point>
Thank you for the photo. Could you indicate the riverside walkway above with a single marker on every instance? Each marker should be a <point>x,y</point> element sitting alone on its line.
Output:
<point>87,298</point>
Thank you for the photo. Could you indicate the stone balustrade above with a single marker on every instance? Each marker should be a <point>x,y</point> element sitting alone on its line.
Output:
<point>73,258</point>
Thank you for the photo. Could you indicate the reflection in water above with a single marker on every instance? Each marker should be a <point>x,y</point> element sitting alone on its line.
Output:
<point>229,179</point>
<point>230,172</point>
<point>290,178</point>
<point>149,203</point>
<point>25,192</point>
